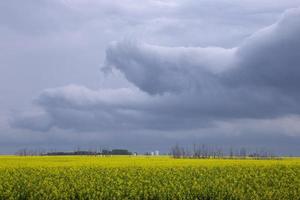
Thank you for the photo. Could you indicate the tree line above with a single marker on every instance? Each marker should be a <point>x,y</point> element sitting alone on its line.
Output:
<point>41,152</point>
<point>213,151</point>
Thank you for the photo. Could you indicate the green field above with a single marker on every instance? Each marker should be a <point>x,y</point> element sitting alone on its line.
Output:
<point>88,177</point>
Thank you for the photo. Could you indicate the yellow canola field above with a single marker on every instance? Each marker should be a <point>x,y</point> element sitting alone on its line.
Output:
<point>129,177</point>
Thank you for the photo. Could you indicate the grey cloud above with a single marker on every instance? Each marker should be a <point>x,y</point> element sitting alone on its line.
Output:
<point>157,69</point>
<point>81,109</point>
<point>184,88</point>
<point>46,16</point>
<point>270,55</point>
<point>38,121</point>
<point>279,135</point>
<point>259,78</point>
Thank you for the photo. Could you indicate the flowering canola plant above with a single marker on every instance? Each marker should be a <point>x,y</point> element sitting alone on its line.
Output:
<point>141,177</point>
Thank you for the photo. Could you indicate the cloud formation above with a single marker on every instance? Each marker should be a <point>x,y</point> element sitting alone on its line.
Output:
<point>269,57</point>
<point>184,88</point>
<point>157,70</point>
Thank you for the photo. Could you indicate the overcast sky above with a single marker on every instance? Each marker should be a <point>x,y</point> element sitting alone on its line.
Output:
<point>148,74</point>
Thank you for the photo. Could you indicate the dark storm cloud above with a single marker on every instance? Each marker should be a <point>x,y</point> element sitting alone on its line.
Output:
<point>81,109</point>
<point>185,88</point>
<point>156,70</point>
<point>270,57</point>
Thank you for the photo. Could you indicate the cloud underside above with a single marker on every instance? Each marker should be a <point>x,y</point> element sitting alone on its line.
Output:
<point>183,88</point>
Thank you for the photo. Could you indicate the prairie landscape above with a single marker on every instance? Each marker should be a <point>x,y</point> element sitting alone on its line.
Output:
<point>149,100</point>
<point>145,177</point>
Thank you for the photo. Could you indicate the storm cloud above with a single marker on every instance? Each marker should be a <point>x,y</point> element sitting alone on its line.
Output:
<point>185,88</point>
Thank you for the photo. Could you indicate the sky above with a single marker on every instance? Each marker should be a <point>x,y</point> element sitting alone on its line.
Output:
<point>146,75</point>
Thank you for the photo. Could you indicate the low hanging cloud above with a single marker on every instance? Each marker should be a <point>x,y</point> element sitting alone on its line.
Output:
<point>176,88</point>
<point>270,57</point>
<point>157,70</point>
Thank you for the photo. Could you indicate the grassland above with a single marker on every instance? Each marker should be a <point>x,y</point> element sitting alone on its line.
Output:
<point>84,177</point>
